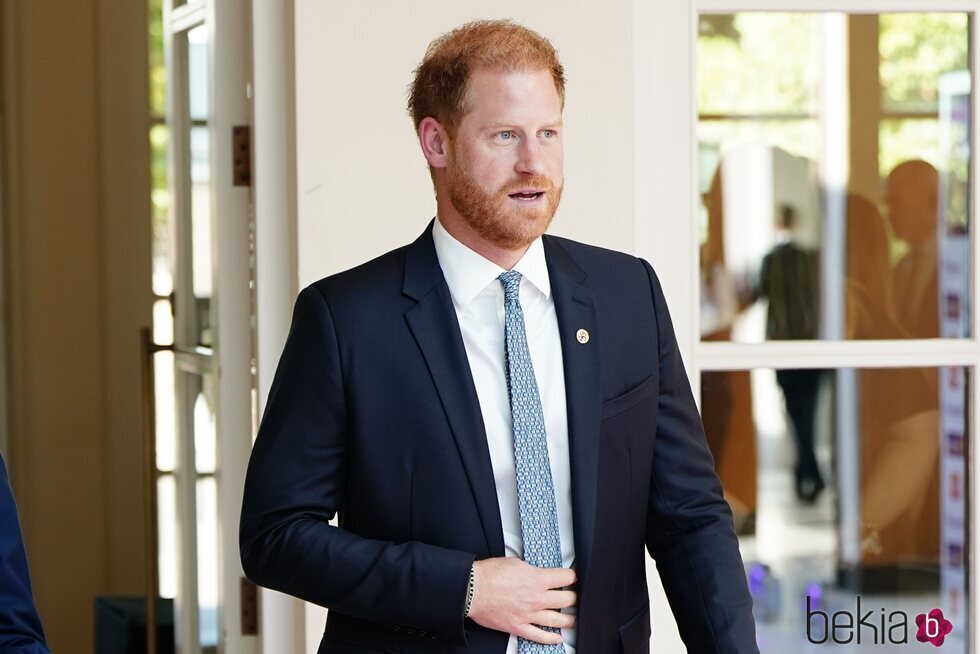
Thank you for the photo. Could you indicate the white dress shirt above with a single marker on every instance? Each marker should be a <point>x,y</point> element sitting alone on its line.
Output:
<point>478,298</point>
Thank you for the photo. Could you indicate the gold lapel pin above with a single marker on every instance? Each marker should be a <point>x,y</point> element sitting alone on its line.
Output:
<point>583,336</point>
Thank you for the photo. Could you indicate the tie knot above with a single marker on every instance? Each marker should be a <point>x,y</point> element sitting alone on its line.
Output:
<point>511,281</point>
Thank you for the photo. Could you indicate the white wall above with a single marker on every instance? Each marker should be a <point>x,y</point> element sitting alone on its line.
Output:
<point>363,185</point>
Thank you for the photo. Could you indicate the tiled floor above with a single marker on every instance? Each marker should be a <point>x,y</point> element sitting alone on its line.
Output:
<point>798,544</point>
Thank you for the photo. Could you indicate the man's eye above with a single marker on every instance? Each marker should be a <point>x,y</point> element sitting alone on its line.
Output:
<point>506,136</point>
<point>548,133</point>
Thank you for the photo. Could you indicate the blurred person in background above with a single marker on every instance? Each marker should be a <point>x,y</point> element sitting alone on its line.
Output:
<point>788,280</point>
<point>912,196</point>
<point>899,420</point>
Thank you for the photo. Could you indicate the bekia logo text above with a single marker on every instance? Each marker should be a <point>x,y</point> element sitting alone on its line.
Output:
<point>875,627</point>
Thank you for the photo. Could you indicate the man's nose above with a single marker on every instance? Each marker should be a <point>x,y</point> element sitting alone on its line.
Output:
<point>529,158</point>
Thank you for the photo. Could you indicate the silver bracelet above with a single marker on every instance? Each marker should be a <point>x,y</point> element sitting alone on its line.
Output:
<point>470,591</point>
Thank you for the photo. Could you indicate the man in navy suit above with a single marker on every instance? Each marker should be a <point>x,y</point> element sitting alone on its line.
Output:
<point>20,626</point>
<point>500,419</point>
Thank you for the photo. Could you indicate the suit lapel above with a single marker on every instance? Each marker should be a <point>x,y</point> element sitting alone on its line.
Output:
<point>575,309</point>
<point>435,327</point>
<point>433,323</point>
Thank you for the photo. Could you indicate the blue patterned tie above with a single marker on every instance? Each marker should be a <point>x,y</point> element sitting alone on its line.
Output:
<point>535,488</point>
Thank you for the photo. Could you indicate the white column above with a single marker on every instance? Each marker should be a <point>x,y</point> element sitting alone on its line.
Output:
<point>281,625</point>
<point>230,38</point>
<point>664,192</point>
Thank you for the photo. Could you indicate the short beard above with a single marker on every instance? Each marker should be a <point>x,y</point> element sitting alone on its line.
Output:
<point>492,216</point>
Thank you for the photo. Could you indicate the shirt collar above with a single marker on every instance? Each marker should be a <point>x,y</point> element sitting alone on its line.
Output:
<point>468,273</point>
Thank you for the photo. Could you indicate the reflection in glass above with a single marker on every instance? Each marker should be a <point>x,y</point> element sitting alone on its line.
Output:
<point>906,139</point>
<point>914,49</point>
<point>788,280</point>
<point>726,411</point>
<point>736,52</point>
<point>889,447</point>
<point>784,254</point>
<point>899,427</point>
<point>911,200</point>
<point>869,291</point>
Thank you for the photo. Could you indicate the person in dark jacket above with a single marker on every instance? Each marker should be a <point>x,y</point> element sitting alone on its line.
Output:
<point>790,281</point>
<point>20,625</point>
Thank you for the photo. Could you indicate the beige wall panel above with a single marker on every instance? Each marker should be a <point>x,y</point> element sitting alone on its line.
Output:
<point>54,276</point>
<point>363,185</point>
<point>125,235</point>
<point>76,223</point>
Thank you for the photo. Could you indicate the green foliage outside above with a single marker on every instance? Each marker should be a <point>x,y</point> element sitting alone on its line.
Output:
<point>772,67</point>
<point>160,194</point>
<point>768,64</point>
<point>915,49</point>
<point>158,72</point>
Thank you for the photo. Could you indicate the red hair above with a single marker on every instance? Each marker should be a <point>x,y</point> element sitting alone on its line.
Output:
<point>439,88</point>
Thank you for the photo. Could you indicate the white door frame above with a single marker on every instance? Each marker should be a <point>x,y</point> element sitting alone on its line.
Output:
<point>176,21</point>
<point>283,620</point>
<point>228,26</point>
<point>230,29</point>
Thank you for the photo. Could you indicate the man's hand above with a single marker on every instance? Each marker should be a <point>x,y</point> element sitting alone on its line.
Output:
<point>513,596</point>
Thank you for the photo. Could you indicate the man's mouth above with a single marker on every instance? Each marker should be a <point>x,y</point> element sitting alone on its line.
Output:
<point>527,196</point>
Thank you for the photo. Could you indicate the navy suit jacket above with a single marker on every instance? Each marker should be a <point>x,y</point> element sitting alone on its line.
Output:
<point>373,416</point>
<point>20,626</point>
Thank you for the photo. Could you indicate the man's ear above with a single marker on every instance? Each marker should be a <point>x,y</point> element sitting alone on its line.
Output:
<point>434,142</point>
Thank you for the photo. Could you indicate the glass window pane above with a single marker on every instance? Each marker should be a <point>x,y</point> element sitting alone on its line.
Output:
<point>205,435</point>
<point>165,399</point>
<point>904,139</point>
<point>198,51</point>
<point>916,50</point>
<point>163,283</point>
<point>167,526</point>
<point>207,559</point>
<point>163,322</point>
<point>833,219</point>
<point>158,71</point>
<point>775,55</point>
<point>846,483</point>
<point>201,232</point>
<point>796,137</point>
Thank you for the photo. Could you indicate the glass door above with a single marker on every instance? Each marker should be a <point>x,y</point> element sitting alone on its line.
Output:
<point>186,484</point>
<point>202,278</point>
<point>834,342</point>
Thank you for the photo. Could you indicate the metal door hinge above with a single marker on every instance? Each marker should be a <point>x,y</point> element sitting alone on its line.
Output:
<point>241,155</point>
